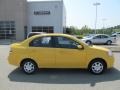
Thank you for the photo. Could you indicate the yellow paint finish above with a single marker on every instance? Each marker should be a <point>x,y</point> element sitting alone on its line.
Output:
<point>58,57</point>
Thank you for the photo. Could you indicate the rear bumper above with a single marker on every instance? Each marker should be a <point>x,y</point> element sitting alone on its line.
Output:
<point>13,60</point>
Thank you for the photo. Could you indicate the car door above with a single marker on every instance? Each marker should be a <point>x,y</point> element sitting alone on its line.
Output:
<point>97,39</point>
<point>104,38</point>
<point>67,53</point>
<point>42,50</point>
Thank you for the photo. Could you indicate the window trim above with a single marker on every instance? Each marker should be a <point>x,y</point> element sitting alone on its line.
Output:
<point>96,37</point>
<point>54,42</point>
<point>105,36</point>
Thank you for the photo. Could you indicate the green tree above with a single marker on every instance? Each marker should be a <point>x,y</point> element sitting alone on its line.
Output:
<point>85,30</point>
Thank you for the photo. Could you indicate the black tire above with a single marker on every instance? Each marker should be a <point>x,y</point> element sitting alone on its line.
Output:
<point>109,42</point>
<point>97,66</point>
<point>29,66</point>
<point>89,42</point>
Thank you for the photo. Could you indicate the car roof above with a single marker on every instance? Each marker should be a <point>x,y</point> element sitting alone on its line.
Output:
<point>52,34</point>
<point>101,34</point>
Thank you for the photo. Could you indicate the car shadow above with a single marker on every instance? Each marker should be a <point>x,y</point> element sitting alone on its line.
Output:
<point>64,76</point>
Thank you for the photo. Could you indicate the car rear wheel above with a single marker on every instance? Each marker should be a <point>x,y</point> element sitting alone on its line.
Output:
<point>29,66</point>
<point>109,42</point>
<point>97,67</point>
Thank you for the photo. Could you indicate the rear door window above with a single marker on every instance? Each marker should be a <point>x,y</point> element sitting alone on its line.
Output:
<point>42,42</point>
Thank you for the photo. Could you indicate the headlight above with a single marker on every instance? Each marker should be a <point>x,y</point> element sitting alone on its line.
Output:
<point>110,53</point>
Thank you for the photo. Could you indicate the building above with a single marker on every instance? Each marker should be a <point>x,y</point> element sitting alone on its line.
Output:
<point>13,19</point>
<point>19,17</point>
<point>46,16</point>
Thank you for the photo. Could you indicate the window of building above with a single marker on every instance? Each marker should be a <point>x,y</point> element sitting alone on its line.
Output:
<point>47,29</point>
<point>7,30</point>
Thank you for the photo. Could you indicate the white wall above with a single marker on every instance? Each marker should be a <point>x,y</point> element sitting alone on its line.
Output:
<point>54,19</point>
<point>14,10</point>
<point>64,18</point>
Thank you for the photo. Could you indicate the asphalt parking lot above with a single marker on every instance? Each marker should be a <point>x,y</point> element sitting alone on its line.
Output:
<point>11,78</point>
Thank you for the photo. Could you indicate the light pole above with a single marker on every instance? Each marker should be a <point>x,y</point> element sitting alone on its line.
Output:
<point>96,5</point>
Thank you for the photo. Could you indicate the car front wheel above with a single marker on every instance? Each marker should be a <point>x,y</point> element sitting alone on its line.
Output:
<point>89,42</point>
<point>29,67</point>
<point>97,67</point>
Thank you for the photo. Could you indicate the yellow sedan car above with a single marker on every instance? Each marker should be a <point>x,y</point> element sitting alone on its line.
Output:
<point>59,51</point>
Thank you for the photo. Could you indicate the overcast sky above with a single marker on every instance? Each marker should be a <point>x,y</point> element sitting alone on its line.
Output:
<point>82,12</point>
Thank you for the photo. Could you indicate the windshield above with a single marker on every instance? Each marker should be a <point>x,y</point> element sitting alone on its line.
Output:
<point>89,36</point>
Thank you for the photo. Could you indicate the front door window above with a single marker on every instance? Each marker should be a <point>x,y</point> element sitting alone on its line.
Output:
<point>63,42</point>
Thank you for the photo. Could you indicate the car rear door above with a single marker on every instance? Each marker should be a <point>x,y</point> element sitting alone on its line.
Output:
<point>42,50</point>
<point>105,38</point>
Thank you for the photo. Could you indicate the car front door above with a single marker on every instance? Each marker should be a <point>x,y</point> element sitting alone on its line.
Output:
<point>42,50</point>
<point>67,53</point>
<point>97,39</point>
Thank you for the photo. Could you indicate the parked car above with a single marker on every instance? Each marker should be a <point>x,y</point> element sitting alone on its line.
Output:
<point>34,33</point>
<point>59,51</point>
<point>89,35</point>
<point>115,35</point>
<point>99,39</point>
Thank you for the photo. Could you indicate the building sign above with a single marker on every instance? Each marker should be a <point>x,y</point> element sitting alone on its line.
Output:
<point>41,12</point>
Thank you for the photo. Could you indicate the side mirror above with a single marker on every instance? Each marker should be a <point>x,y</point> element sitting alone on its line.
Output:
<point>79,46</point>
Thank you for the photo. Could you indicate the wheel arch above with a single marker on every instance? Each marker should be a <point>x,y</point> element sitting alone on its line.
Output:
<point>26,59</point>
<point>109,41</point>
<point>88,41</point>
<point>95,59</point>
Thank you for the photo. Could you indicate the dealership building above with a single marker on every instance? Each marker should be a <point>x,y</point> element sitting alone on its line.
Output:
<point>19,17</point>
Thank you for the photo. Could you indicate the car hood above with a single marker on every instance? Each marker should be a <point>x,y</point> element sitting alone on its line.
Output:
<point>99,48</point>
<point>84,39</point>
